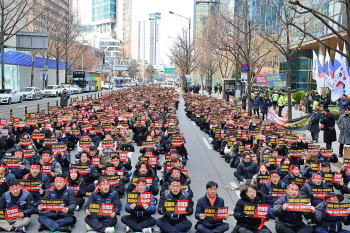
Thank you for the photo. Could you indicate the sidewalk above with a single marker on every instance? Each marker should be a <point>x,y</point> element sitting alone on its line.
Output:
<point>297,114</point>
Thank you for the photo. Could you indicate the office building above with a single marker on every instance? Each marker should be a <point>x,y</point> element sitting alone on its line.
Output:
<point>202,11</point>
<point>104,17</point>
<point>154,56</point>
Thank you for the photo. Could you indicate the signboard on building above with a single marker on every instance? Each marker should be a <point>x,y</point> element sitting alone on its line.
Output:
<point>169,70</point>
<point>120,67</point>
<point>32,41</point>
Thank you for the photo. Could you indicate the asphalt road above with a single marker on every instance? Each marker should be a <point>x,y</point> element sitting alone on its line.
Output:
<point>18,108</point>
<point>204,165</point>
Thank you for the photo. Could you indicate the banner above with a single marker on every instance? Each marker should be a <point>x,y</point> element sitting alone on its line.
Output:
<point>298,124</point>
<point>272,80</point>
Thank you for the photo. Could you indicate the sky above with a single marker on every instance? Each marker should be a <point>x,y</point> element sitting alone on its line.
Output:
<point>171,25</point>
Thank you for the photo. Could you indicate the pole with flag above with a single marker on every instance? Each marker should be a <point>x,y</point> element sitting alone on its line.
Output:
<point>328,68</point>
<point>318,72</point>
<point>338,76</point>
<point>346,79</point>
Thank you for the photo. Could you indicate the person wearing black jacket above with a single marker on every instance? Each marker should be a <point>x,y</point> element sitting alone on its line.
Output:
<point>326,101</point>
<point>314,125</point>
<point>329,134</point>
<point>58,220</point>
<point>244,223</point>
<point>210,200</point>
<point>315,182</point>
<point>291,221</point>
<point>143,170</point>
<point>171,222</point>
<point>77,183</point>
<point>103,194</point>
<point>17,197</point>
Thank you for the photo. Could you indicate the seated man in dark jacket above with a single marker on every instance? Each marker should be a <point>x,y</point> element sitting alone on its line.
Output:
<point>244,223</point>
<point>314,183</point>
<point>327,223</point>
<point>17,197</point>
<point>58,220</point>
<point>140,218</point>
<point>103,194</point>
<point>210,200</point>
<point>171,222</point>
<point>291,221</point>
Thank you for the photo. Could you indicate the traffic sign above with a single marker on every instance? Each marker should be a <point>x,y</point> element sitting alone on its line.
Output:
<point>244,77</point>
<point>244,68</point>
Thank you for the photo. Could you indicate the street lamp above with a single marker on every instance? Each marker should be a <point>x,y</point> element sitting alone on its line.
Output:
<point>189,25</point>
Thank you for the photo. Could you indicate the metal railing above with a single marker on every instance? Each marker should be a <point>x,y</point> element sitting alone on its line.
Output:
<point>11,112</point>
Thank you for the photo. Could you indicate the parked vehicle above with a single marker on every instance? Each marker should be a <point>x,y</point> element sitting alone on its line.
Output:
<point>68,87</point>
<point>52,90</point>
<point>31,93</point>
<point>8,96</point>
<point>107,86</point>
<point>133,84</point>
<point>76,89</point>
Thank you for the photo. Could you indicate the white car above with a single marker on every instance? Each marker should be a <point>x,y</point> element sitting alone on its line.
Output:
<point>133,84</point>
<point>68,87</point>
<point>76,89</point>
<point>52,90</point>
<point>107,86</point>
<point>8,96</point>
<point>31,93</point>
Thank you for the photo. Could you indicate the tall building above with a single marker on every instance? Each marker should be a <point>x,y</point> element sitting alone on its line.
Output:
<point>154,58</point>
<point>202,11</point>
<point>104,16</point>
<point>141,40</point>
<point>127,27</point>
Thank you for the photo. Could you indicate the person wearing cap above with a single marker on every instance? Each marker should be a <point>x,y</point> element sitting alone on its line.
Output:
<point>281,102</point>
<point>143,170</point>
<point>177,174</point>
<point>274,99</point>
<point>291,221</point>
<point>314,125</point>
<point>103,194</point>
<point>23,200</point>
<point>255,104</point>
<point>344,127</point>
<point>24,167</point>
<point>36,175</point>
<point>327,223</point>
<point>140,218</point>
<point>77,183</point>
<point>294,173</point>
<point>48,160</point>
<point>210,200</point>
<point>58,220</point>
<point>315,182</point>
<point>6,176</point>
<point>244,223</point>
<point>91,176</point>
<point>171,222</point>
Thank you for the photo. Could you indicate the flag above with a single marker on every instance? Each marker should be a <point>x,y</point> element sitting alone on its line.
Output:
<point>318,73</point>
<point>346,79</point>
<point>338,76</point>
<point>328,68</point>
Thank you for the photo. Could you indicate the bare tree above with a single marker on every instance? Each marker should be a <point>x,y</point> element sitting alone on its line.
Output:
<point>133,69</point>
<point>182,56</point>
<point>281,37</point>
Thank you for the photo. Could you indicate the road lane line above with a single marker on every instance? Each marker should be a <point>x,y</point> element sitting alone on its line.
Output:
<point>207,143</point>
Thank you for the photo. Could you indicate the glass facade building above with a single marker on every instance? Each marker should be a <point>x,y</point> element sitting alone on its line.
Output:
<point>104,15</point>
<point>202,11</point>
<point>154,57</point>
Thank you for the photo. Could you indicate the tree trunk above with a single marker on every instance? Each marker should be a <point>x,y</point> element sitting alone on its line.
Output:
<point>66,69</point>
<point>184,83</point>
<point>289,88</point>
<point>32,71</point>
<point>47,63</point>
<point>57,71</point>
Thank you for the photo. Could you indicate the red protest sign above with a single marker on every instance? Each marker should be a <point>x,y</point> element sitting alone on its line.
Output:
<point>12,213</point>
<point>95,161</point>
<point>106,209</point>
<point>145,198</point>
<point>181,206</point>
<point>221,213</point>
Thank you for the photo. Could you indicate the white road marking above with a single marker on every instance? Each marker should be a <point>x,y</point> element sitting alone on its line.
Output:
<point>238,193</point>
<point>193,123</point>
<point>207,144</point>
<point>129,155</point>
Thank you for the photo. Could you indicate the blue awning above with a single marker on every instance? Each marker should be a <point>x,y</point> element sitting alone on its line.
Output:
<point>23,59</point>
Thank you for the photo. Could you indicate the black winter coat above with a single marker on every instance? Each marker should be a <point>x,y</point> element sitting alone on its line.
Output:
<point>246,170</point>
<point>330,134</point>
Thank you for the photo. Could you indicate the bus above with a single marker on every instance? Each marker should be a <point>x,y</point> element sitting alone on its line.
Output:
<point>119,82</point>
<point>87,80</point>
<point>127,81</point>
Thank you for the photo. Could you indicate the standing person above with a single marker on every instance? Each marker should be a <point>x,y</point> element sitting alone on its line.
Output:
<point>344,127</point>
<point>291,221</point>
<point>64,98</point>
<point>314,125</point>
<point>306,102</point>
<point>220,89</point>
<point>326,101</point>
<point>265,103</point>
<point>227,92</point>
<point>244,101</point>
<point>281,102</point>
<point>247,224</point>
<point>209,89</point>
<point>255,104</point>
<point>274,99</point>
<point>216,89</point>
<point>58,220</point>
<point>344,103</point>
<point>329,134</point>
<point>210,200</point>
